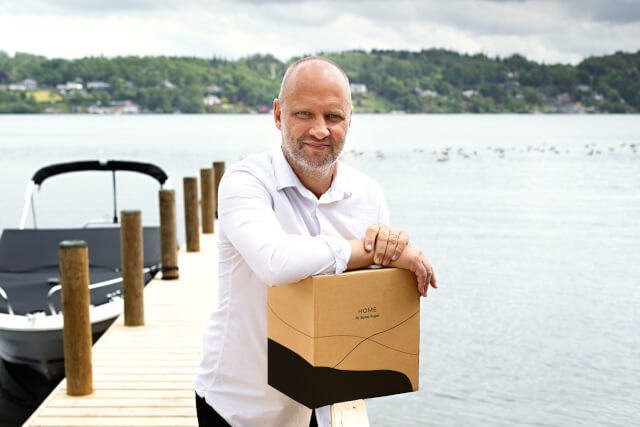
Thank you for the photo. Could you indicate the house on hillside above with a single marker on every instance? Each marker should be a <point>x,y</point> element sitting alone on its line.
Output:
<point>18,87</point>
<point>564,104</point>
<point>97,108</point>
<point>30,84</point>
<point>125,107</point>
<point>97,86</point>
<point>358,88</point>
<point>211,100</point>
<point>425,93</point>
<point>26,84</point>
<point>69,88</point>
<point>469,93</point>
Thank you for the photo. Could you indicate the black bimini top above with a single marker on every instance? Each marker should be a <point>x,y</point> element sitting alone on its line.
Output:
<point>96,165</point>
<point>29,263</point>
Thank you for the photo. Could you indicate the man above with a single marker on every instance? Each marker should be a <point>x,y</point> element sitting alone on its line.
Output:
<point>283,216</point>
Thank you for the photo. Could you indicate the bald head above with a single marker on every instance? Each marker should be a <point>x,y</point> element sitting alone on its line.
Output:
<point>315,68</point>
<point>313,113</point>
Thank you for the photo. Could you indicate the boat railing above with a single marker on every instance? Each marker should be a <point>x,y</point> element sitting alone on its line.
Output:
<point>4,296</point>
<point>102,284</point>
<point>91,222</point>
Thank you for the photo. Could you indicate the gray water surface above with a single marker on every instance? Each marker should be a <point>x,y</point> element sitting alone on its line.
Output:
<point>532,224</point>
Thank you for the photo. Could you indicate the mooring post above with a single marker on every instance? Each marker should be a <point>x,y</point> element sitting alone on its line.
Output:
<point>132,263</point>
<point>168,235</point>
<point>74,278</point>
<point>218,171</point>
<point>192,222</point>
<point>207,192</point>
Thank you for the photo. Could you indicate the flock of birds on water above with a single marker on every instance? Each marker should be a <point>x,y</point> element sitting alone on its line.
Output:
<point>444,155</point>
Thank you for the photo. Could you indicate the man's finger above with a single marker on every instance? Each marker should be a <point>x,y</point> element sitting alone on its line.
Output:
<point>434,282</point>
<point>370,237</point>
<point>381,244</point>
<point>421,276</point>
<point>432,274</point>
<point>392,245</point>
<point>403,242</point>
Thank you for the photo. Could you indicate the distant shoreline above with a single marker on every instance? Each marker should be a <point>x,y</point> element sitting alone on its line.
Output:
<point>382,81</point>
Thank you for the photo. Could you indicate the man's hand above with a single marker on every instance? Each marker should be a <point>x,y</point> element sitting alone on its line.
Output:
<point>389,242</point>
<point>414,260</point>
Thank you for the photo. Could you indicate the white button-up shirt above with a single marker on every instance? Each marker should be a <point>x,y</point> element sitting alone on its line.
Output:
<point>273,230</point>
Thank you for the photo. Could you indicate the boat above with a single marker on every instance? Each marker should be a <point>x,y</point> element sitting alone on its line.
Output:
<point>31,320</point>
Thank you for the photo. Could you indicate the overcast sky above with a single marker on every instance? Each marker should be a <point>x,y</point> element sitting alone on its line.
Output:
<point>551,31</point>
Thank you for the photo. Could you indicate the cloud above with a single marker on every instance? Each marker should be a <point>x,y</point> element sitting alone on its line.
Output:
<point>543,30</point>
<point>606,11</point>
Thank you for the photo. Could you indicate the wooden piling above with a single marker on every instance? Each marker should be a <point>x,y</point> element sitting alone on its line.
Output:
<point>218,171</point>
<point>132,263</point>
<point>192,222</point>
<point>168,235</point>
<point>74,278</point>
<point>206,204</point>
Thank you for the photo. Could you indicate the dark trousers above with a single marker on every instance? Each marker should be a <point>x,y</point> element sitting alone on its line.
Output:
<point>208,417</point>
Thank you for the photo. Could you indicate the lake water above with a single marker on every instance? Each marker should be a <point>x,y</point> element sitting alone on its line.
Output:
<point>532,223</point>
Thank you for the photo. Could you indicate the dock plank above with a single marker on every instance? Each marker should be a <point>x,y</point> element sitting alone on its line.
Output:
<point>110,411</point>
<point>121,402</point>
<point>115,422</point>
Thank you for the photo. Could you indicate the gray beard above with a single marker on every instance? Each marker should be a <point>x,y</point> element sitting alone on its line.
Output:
<point>296,155</point>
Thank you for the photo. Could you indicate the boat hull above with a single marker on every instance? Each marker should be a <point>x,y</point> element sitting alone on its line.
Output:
<point>37,341</point>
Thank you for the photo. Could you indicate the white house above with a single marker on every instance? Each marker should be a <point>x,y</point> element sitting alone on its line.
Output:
<point>26,84</point>
<point>17,87</point>
<point>97,86</point>
<point>211,100</point>
<point>425,93</point>
<point>469,93</point>
<point>358,88</point>
<point>125,107</point>
<point>30,84</point>
<point>69,86</point>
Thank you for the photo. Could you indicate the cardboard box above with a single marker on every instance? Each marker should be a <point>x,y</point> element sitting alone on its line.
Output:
<point>343,337</point>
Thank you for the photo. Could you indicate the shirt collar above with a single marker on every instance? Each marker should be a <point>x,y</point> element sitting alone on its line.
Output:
<point>286,177</point>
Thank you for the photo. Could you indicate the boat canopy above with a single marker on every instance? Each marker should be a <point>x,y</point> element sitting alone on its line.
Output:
<point>99,165</point>
<point>89,165</point>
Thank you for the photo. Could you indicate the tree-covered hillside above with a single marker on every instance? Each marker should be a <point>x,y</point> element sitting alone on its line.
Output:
<point>435,81</point>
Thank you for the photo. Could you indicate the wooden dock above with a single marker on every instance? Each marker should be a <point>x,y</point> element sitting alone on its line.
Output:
<point>143,376</point>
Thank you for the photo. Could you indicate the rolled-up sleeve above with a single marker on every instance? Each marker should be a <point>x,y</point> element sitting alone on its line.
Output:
<point>246,214</point>
<point>341,250</point>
